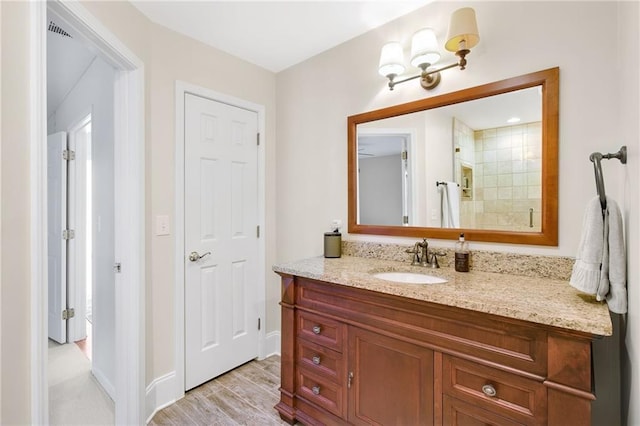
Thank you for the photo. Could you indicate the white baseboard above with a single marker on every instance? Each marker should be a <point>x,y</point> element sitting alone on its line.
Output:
<point>104,383</point>
<point>272,344</point>
<point>160,394</point>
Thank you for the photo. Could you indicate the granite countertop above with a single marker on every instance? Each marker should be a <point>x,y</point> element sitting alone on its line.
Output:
<point>538,300</point>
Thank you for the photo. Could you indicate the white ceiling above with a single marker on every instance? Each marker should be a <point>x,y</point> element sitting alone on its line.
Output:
<point>274,34</point>
<point>270,34</point>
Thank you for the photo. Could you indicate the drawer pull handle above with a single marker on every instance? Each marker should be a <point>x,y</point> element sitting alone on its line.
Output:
<point>316,390</point>
<point>489,390</point>
<point>316,329</point>
<point>316,359</point>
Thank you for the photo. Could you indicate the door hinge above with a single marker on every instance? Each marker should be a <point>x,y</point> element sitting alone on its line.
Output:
<point>68,313</point>
<point>258,231</point>
<point>117,268</point>
<point>405,220</point>
<point>258,139</point>
<point>405,155</point>
<point>68,234</point>
<point>68,155</point>
<point>258,323</point>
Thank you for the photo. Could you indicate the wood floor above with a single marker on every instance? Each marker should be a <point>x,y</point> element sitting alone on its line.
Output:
<point>244,396</point>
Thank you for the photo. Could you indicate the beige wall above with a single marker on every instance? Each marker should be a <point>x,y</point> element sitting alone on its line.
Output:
<point>0,219</point>
<point>15,314</point>
<point>628,93</point>
<point>167,57</point>
<point>316,96</point>
<point>178,58</point>
<point>313,100</point>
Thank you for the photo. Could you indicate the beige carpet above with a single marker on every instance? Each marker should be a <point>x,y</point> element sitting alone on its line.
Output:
<point>75,398</point>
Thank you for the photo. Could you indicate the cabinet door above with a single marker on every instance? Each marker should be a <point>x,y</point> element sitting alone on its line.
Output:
<point>391,381</point>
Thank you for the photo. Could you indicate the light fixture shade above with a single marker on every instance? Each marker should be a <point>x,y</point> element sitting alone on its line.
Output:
<point>463,30</point>
<point>391,59</point>
<point>424,48</point>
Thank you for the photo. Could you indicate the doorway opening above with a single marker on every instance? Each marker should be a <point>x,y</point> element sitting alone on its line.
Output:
<point>80,112</point>
<point>386,164</point>
<point>127,232</point>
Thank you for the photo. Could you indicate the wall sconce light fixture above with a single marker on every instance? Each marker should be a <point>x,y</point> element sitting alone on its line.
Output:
<point>463,36</point>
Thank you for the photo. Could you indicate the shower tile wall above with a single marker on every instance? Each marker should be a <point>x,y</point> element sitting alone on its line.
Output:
<point>507,177</point>
<point>465,155</point>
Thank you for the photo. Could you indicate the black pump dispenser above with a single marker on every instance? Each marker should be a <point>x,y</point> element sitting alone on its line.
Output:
<point>462,255</point>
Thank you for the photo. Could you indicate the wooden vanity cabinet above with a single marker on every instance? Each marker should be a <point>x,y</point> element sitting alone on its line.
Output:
<point>353,356</point>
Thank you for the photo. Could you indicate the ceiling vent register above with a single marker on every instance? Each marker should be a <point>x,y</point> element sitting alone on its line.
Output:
<point>54,28</point>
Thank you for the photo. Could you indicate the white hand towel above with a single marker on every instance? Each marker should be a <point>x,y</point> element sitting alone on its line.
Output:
<point>600,266</point>
<point>451,213</point>
<point>603,284</point>
<point>616,267</point>
<point>586,269</point>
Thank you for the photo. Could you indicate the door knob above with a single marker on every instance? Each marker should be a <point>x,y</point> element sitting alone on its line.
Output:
<point>194,256</point>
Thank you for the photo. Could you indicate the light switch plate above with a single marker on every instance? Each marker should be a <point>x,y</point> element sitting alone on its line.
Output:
<point>162,225</point>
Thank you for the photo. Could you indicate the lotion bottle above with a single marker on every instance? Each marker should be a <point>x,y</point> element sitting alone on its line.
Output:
<point>462,255</point>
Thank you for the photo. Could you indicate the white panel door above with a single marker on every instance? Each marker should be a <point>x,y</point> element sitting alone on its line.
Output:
<point>221,218</point>
<point>79,253</point>
<point>57,246</point>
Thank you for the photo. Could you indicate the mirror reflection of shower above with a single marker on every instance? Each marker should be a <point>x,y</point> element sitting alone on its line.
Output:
<point>495,159</point>
<point>499,172</point>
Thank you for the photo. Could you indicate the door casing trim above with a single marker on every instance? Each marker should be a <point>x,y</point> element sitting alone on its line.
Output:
<point>182,88</point>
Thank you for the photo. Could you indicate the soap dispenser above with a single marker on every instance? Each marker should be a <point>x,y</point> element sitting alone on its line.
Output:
<point>462,255</point>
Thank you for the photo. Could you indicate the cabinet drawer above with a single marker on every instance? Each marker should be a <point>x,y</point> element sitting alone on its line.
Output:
<point>320,360</point>
<point>321,391</point>
<point>320,330</point>
<point>509,395</point>
<point>519,346</point>
<point>460,413</point>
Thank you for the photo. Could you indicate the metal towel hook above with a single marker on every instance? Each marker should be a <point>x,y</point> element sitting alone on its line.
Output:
<point>596,158</point>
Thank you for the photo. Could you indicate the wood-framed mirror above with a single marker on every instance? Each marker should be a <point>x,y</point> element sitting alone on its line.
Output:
<point>447,164</point>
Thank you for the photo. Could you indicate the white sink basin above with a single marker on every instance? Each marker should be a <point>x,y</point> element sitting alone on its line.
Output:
<point>409,278</point>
